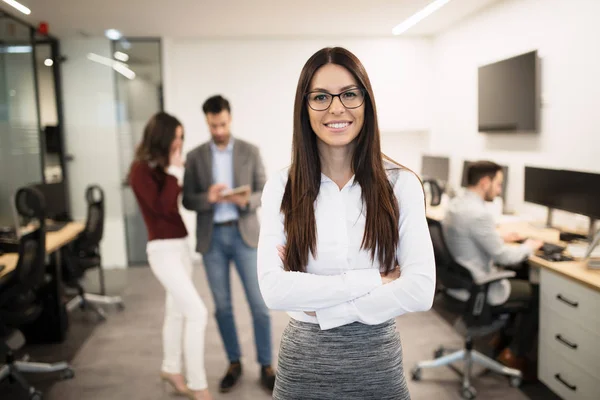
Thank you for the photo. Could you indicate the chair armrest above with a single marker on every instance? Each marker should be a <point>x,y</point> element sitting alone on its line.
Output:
<point>495,276</point>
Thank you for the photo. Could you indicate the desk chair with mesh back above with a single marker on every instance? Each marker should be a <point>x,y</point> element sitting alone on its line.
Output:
<point>19,303</point>
<point>477,318</point>
<point>85,255</point>
<point>433,188</point>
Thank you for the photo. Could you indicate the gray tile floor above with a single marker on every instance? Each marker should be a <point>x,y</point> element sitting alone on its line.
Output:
<point>120,359</point>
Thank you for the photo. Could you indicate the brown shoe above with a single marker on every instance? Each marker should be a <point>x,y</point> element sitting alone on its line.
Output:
<point>267,377</point>
<point>232,376</point>
<point>508,358</point>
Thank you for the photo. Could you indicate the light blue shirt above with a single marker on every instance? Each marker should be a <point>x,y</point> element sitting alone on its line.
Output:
<point>222,172</point>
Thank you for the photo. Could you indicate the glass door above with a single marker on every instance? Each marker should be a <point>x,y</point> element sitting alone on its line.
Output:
<point>139,96</point>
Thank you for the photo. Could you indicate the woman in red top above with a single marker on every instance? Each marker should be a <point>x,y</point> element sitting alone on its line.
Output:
<point>153,178</point>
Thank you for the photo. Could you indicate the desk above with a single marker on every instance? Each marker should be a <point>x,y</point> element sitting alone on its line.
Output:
<point>9,261</point>
<point>54,242</point>
<point>569,354</point>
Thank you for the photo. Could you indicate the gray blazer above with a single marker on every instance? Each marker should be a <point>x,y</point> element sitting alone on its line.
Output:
<point>247,170</point>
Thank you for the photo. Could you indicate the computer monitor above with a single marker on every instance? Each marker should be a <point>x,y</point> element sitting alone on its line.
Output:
<point>571,191</point>
<point>465,173</point>
<point>434,167</point>
<point>55,199</point>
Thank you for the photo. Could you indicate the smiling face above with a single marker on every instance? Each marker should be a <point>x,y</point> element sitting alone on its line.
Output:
<point>336,126</point>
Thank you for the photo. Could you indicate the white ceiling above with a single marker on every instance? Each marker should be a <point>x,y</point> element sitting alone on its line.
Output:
<point>242,18</point>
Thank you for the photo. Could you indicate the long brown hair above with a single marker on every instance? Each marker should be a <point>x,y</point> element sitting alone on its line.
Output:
<point>382,214</point>
<point>159,134</point>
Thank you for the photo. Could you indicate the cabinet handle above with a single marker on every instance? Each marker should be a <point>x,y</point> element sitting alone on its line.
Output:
<point>573,304</point>
<point>567,384</point>
<point>566,342</point>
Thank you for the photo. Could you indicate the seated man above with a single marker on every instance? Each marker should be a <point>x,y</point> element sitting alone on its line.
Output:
<point>472,239</point>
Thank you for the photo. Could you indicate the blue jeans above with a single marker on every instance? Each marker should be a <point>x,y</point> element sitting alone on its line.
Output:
<point>227,245</point>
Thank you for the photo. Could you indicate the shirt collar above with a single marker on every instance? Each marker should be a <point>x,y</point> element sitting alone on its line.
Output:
<point>227,149</point>
<point>325,178</point>
<point>471,194</point>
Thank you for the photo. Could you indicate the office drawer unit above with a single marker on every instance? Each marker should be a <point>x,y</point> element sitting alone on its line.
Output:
<point>569,340</point>
<point>569,350</point>
<point>564,378</point>
<point>571,300</point>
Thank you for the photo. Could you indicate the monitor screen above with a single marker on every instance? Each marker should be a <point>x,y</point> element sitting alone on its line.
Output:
<point>437,168</point>
<point>508,95</point>
<point>572,191</point>
<point>56,201</point>
<point>464,179</point>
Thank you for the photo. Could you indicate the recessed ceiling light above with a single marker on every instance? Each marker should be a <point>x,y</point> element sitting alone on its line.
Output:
<point>417,17</point>
<point>18,6</point>
<point>48,62</point>
<point>121,56</point>
<point>113,34</point>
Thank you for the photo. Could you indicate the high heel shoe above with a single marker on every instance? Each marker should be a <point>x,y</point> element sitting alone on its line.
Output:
<point>168,378</point>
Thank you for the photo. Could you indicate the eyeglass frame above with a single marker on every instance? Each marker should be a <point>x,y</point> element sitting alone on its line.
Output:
<point>363,91</point>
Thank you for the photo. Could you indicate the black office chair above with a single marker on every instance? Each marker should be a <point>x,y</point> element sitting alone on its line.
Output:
<point>435,191</point>
<point>477,318</point>
<point>85,255</point>
<point>19,303</point>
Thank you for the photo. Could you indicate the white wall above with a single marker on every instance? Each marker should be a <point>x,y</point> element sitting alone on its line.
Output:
<point>259,77</point>
<point>91,136</point>
<point>565,33</point>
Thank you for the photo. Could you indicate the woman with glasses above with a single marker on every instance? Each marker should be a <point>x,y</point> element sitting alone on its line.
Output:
<point>344,246</point>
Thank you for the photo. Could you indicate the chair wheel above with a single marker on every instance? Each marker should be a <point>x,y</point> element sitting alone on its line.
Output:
<point>36,396</point>
<point>120,306</point>
<point>439,352</point>
<point>468,393</point>
<point>515,381</point>
<point>67,374</point>
<point>416,374</point>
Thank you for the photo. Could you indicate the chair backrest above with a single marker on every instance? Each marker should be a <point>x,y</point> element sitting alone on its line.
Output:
<point>435,190</point>
<point>476,313</point>
<point>94,224</point>
<point>451,274</point>
<point>31,266</point>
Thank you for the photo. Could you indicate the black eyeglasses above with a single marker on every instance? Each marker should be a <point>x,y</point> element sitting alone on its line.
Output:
<point>321,101</point>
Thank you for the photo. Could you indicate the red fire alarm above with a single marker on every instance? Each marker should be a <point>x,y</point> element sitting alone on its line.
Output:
<point>43,28</point>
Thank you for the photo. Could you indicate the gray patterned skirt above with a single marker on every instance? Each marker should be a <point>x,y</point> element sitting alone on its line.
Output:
<point>352,362</point>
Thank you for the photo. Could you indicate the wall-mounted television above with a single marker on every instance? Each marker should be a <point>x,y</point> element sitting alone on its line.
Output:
<point>508,95</point>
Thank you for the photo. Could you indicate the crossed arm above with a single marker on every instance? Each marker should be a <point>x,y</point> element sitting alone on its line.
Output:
<point>355,295</point>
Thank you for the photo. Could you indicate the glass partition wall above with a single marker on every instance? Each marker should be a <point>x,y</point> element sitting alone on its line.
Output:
<point>29,112</point>
<point>139,96</point>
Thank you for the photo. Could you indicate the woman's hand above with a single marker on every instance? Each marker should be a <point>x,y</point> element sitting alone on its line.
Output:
<point>175,158</point>
<point>391,276</point>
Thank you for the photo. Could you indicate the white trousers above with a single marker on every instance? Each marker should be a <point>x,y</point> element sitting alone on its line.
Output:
<point>185,313</point>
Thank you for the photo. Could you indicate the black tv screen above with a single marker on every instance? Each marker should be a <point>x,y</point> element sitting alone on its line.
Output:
<point>508,95</point>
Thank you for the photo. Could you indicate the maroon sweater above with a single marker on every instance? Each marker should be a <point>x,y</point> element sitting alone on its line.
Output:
<point>157,195</point>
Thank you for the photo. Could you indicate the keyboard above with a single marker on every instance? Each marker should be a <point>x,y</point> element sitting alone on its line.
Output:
<point>550,248</point>
<point>556,257</point>
<point>571,237</point>
<point>547,248</point>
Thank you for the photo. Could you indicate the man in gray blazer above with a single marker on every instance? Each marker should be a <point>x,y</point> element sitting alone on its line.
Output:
<point>471,236</point>
<point>227,230</point>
